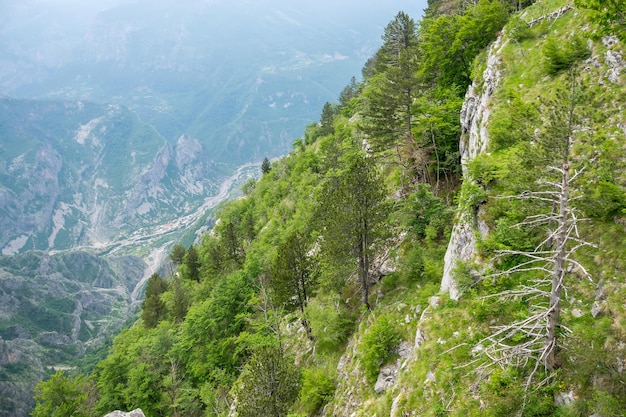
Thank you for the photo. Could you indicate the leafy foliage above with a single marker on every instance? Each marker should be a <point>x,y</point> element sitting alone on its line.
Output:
<point>268,385</point>
<point>318,387</point>
<point>561,57</point>
<point>60,397</point>
<point>608,14</point>
<point>378,344</point>
<point>429,215</point>
<point>153,308</point>
<point>449,43</point>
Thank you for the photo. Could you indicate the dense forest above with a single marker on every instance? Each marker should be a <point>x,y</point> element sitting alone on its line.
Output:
<point>318,292</point>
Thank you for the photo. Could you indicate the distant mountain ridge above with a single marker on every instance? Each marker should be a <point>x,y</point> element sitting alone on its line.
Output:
<point>82,174</point>
<point>243,78</point>
<point>52,309</point>
<point>132,113</point>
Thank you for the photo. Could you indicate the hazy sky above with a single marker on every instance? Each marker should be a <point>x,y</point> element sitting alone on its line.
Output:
<point>412,7</point>
<point>52,33</point>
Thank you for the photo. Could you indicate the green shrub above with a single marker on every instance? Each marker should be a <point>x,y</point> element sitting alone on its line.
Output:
<point>331,324</point>
<point>472,196</point>
<point>485,168</point>
<point>519,30</point>
<point>377,346</point>
<point>606,404</point>
<point>604,200</point>
<point>502,392</point>
<point>513,123</point>
<point>560,56</point>
<point>428,214</point>
<point>318,388</point>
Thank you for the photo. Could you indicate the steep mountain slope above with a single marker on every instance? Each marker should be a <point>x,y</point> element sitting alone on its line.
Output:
<point>452,364</point>
<point>122,126</point>
<point>320,292</point>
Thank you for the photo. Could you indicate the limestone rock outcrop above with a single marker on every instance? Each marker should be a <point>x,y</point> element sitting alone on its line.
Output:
<point>474,141</point>
<point>134,413</point>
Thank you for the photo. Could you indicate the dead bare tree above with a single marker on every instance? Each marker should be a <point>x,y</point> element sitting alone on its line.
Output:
<point>535,338</point>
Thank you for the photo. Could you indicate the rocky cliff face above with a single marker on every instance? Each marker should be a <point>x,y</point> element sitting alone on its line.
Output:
<point>474,141</point>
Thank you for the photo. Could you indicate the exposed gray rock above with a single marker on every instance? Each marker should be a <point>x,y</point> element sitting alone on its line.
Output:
<point>420,338</point>
<point>54,339</point>
<point>16,395</point>
<point>562,399</point>
<point>430,378</point>
<point>613,58</point>
<point>134,413</point>
<point>88,181</point>
<point>385,264</point>
<point>386,378</point>
<point>475,111</point>
<point>56,306</point>
<point>351,383</point>
<point>598,308</point>
<point>600,292</point>
<point>474,141</point>
<point>610,41</point>
<point>405,350</point>
<point>462,247</point>
<point>435,301</point>
<point>593,62</point>
<point>395,406</point>
<point>616,64</point>
<point>577,313</point>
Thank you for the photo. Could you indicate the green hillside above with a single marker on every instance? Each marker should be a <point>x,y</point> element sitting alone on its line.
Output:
<point>446,241</point>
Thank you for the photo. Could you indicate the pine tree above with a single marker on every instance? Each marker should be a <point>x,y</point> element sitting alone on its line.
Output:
<point>352,211</point>
<point>266,166</point>
<point>326,120</point>
<point>153,309</point>
<point>348,93</point>
<point>178,254</point>
<point>192,265</point>
<point>269,384</point>
<point>293,274</point>
<point>390,91</point>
